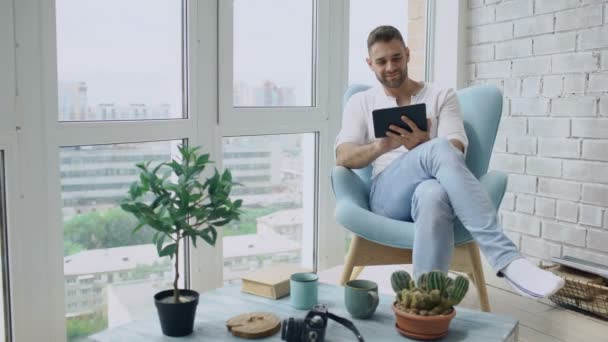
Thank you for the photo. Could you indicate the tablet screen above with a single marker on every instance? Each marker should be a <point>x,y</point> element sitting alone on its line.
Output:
<point>385,117</point>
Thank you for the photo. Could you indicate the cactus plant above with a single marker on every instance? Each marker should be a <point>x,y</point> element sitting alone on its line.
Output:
<point>434,293</point>
<point>400,280</point>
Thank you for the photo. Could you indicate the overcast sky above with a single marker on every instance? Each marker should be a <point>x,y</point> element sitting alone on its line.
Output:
<point>128,51</point>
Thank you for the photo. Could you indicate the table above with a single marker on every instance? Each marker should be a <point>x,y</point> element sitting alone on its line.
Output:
<point>217,306</point>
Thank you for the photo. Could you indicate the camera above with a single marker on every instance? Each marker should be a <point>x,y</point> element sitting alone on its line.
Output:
<point>312,327</point>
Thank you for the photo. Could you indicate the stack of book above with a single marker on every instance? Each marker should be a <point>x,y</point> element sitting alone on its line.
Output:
<point>271,282</point>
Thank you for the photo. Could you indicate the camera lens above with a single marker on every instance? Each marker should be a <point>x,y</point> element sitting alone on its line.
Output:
<point>291,329</point>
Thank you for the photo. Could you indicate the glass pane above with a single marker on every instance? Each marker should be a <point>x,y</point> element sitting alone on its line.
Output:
<point>366,15</point>
<point>4,326</point>
<point>110,274</point>
<point>119,60</point>
<point>278,182</point>
<point>273,53</point>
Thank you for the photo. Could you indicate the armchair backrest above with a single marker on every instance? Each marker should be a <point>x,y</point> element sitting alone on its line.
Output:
<point>481,108</point>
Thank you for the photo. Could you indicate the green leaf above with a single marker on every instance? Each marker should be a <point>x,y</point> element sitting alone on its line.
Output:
<point>159,243</point>
<point>202,159</point>
<point>168,250</point>
<point>209,234</point>
<point>227,176</point>
<point>138,227</point>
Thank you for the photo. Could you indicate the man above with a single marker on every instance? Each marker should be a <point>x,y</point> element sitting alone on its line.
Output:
<point>422,176</point>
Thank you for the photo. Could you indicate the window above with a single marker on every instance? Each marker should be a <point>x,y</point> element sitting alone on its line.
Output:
<point>124,64</point>
<point>97,234</point>
<point>4,293</point>
<point>277,224</point>
<point>272,55</point>
<point>408,16</point>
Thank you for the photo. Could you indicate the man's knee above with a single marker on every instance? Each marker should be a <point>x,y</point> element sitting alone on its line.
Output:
<point>429,194</point>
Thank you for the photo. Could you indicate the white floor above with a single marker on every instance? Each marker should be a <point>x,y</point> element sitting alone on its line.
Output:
<point>540,321</point>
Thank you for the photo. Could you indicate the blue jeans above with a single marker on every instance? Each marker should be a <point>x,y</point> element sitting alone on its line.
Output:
<point>431,186</point>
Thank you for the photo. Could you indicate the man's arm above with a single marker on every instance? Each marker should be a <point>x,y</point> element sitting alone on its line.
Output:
<point>451,125</point>
<point>355,156</point>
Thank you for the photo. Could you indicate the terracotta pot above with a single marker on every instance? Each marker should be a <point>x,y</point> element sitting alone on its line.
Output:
<point>422,327</point>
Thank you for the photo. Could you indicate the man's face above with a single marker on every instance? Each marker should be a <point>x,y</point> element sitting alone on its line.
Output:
<point>388,60</point>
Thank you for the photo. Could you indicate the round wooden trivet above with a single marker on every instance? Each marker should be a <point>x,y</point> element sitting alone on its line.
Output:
<point>254,325</point>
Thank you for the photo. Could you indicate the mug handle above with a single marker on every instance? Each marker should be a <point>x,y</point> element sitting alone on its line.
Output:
<point>375,301</point>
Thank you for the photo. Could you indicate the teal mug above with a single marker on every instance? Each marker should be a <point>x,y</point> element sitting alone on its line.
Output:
<point>361,298</point>
<point>303,290</point>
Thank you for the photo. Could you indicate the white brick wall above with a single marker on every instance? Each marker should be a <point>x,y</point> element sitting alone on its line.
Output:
<point>567,211</point>
<point>551,58</point>
<point>590,128</point>
<point>527,224</point>
<point>559,147</point>
<point>573,106</point>
<point>564,233</point>
<point>598,240</point>
<point>578,18</point>
<point>533,26</point>
<point>552,43</point>
<point>591,216</point>
<point>547,167</point>
<point>525,204</point>
<point>595,149</point>
<point>545,207</point>
<point>521,145</point>
<point>574,83</point>
<point>540,248</point>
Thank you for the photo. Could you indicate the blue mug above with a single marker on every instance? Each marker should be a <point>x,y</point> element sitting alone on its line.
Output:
<point>304,289</point>
<point>361,298</point>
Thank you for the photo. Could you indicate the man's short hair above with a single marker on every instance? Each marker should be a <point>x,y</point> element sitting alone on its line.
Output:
<point>384,33</point>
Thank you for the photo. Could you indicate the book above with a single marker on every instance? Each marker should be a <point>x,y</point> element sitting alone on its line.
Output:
<point>583,265</point>
<point>270,282</point>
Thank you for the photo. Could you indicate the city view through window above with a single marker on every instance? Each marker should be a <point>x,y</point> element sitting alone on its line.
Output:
<point>273,53</point>
<point>114,63</point>
<point>277,224</point>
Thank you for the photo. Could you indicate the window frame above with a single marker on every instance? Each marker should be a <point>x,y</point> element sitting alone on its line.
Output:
<point>248,117</point>
<point>332,24</point>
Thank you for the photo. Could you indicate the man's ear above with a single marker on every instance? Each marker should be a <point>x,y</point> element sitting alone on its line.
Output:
<point>407,54</point>
<point>369,62</point>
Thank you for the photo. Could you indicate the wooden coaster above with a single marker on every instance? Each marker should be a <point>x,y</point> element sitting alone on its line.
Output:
<point>254,325</point>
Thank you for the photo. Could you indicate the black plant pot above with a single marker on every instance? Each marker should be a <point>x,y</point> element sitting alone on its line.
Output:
<point>176,319</point>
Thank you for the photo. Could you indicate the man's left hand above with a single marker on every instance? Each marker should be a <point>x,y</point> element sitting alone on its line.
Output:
<point>407,139</point>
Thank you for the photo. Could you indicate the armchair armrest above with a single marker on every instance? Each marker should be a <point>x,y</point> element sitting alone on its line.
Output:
<point>348,186</point>
<point>495,183</point>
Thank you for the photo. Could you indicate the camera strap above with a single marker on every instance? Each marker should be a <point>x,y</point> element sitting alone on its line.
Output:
<point>345,322</point>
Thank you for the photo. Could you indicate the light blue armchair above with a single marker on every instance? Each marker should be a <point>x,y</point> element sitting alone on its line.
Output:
<point>378,240</point>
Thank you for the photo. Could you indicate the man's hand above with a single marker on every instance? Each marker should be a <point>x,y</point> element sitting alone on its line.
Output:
<point>407,139</point>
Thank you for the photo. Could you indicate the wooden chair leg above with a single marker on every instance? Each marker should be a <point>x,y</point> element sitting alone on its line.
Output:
<point>479,278</point>
<point>349,262</point>
<point>356,272</point>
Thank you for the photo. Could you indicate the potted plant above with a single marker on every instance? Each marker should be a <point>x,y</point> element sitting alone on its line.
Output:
<point>177,203</point>
<point>425,309</point>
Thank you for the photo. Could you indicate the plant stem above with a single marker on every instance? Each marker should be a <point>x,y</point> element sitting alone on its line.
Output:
<point>175,289</point>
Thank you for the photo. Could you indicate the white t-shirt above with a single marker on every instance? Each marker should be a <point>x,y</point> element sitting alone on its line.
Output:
<point>442,108</point>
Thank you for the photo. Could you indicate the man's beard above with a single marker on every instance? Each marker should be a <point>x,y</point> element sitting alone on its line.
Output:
<point>394,83</point>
